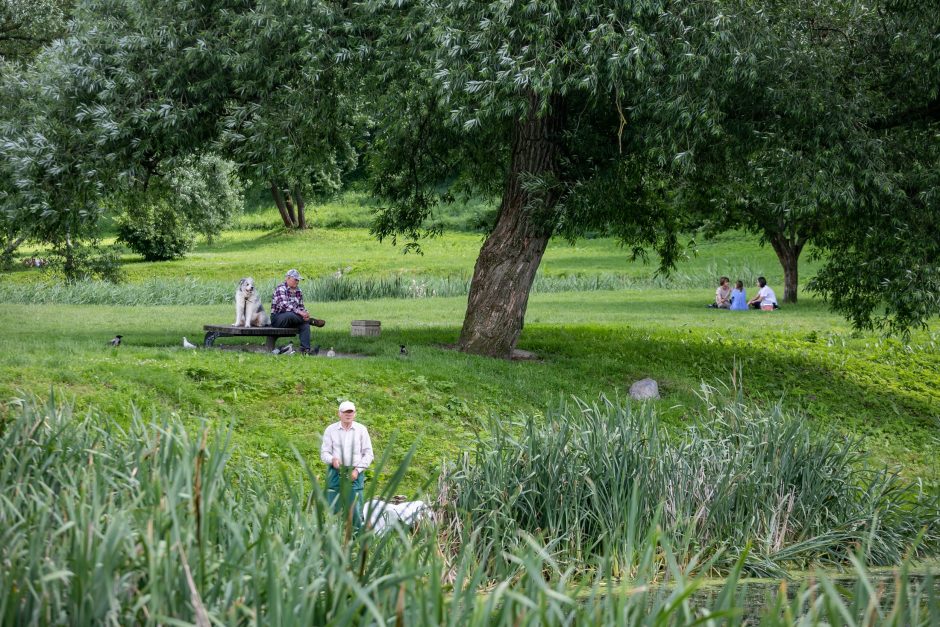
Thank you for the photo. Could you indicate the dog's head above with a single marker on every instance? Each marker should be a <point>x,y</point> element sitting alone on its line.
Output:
<point>247,286</point>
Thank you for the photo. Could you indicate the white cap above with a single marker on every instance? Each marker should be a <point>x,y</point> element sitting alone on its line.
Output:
<point>346,406</point>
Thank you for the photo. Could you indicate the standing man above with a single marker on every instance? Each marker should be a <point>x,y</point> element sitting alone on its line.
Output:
<point>347,451</point>
<point>287,309</point>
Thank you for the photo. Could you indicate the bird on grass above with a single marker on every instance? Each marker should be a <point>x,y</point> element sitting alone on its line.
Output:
<point>284,350</point>
<point>331,352</point>
<point>316,349</point>
<point>187,343</point>
<point>116,340</point>
<point>402,350</point>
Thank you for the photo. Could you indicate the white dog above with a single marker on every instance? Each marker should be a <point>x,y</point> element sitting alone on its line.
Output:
<point>249,312</point>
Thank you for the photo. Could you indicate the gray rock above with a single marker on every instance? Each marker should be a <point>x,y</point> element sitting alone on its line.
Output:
<point>644,389</point>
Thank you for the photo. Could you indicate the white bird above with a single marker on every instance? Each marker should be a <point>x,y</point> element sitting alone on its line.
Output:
<point>187,343</point>
<point>331,352</point>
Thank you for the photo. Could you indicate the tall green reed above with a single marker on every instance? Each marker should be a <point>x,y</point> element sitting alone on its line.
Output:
<point>742,477</point>
<point>191,291</point>
<point>156,525</point>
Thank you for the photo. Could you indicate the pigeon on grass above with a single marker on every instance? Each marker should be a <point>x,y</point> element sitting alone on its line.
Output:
<point>116,340</point>
<point>187,343</point>
<point>331,352</point>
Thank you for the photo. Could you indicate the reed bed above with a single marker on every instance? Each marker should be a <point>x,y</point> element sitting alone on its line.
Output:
<point>154,525</point>
<point>190,291</point>
<point>586,475</point>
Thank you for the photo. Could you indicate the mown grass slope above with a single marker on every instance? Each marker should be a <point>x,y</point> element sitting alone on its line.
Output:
<point>589,343</point>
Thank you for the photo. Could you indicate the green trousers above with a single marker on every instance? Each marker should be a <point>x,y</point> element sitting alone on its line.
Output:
<point>344,494</point>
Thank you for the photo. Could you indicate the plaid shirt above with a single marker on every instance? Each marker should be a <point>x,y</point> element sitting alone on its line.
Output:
<point>286,300</point>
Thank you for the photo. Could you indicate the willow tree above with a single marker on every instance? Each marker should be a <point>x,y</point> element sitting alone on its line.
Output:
<point>150,83</point>
<point>882,267</point>
<point>290,117</point>
<point>52,168</point>
<point>26,26</point>
<point>818,120</point>
<point>573,113</point>
<point>833,142</point>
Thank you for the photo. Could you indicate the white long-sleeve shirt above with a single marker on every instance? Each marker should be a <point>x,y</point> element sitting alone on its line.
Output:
<point>352,446</point>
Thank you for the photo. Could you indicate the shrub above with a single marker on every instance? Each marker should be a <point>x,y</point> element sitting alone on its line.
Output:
<point>83,263</point>
<point>156,230</point>
<point>206,189</point>
<point>202,195</point>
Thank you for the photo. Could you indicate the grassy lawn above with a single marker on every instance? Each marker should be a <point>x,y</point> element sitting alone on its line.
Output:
<point>320,252</point>
<point>590,343</point>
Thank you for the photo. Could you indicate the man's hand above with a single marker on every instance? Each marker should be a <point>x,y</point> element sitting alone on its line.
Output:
<point>355,474</point>
<point>305,315</point>
<point>336,463</point>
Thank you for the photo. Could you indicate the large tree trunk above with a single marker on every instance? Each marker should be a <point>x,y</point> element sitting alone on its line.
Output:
<point>289,204</point>
<point>510,257</point>
<point>301,207</point>
<point>11,246</point>
<point>281,206</point>
<point>788,252</point>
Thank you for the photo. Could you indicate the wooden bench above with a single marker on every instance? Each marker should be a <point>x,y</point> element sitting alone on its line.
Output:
<point>214,331</point>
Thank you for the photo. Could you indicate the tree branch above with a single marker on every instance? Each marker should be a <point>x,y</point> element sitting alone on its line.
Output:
<point>928,113</point>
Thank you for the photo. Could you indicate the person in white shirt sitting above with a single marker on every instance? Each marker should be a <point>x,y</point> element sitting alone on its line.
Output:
<point>347,451</point>
<point>765,300</point>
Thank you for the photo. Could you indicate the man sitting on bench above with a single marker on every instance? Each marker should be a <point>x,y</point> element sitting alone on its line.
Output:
<point>287,309</point>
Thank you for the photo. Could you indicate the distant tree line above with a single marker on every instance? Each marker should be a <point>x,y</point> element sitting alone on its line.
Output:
<point>807,123</point>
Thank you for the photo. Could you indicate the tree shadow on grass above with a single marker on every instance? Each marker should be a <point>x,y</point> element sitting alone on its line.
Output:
<point>860,395</point>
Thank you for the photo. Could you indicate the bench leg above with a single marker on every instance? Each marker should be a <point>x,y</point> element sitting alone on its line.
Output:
<point>210,338</point>
<point>270,342</point>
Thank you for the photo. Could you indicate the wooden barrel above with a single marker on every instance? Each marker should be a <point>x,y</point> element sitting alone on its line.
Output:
<point>370,328</point>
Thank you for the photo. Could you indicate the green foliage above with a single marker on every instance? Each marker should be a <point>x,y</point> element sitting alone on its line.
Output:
<point>206,190</point>
<point>839,148</point>
<point>51,164</point>
<point>28,25</point>
<point>881,269</point>
<point>474,71</point>
<point>156,230</point>
<point>292,115</point>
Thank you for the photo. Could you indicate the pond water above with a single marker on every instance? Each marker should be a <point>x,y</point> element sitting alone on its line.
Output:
<point>760,593</point>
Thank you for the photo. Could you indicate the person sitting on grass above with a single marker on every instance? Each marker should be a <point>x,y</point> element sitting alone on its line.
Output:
<point>722,294</point>
<point>765,299</point>
<point>738,297</point>
<point>287,309</point>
